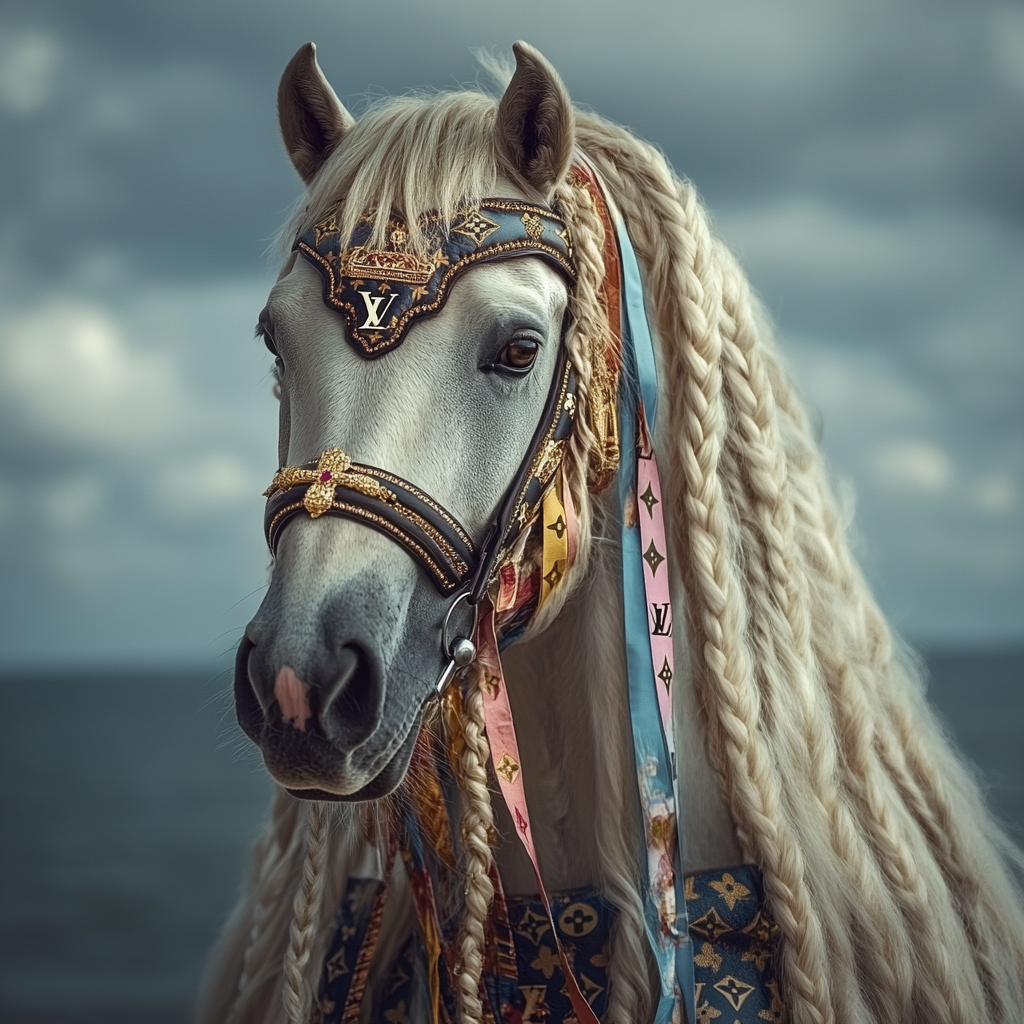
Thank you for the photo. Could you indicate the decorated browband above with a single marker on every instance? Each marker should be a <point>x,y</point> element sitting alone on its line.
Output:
<point>381,292</point>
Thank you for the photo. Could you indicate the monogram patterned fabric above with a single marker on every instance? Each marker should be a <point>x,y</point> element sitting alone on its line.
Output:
<point>734,963</point>
<point>734,943</point>
<point>342,982</point>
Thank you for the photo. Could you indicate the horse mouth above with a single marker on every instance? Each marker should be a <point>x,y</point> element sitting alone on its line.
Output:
<point>307,762</point>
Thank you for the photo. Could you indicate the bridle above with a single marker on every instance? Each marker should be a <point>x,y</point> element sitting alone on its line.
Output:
<point>413,286</point>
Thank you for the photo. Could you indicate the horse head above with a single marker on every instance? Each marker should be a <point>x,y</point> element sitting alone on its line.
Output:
<point>418,328</point>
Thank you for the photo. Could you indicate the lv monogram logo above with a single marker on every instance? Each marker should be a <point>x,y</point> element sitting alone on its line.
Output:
<point>662,625</point>
<point>373,310</point>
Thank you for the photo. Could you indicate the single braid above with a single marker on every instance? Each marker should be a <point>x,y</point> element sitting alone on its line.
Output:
<point>308,900</point>
<point>273,857</point>
<point>476,828</point>
<point>270,852</point>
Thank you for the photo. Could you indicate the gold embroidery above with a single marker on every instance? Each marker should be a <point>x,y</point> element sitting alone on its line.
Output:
<point>507,768</point>
<point>475,226</point>
<point>336,966</point>
<point>550,459</point>
<point>758,954</point>
<point>399,235</point>
<point>601,959</point>
<point>730,890</point>
<point>688,890</point>
<point>578,919</point>
<point>356,477</point>
<point>563,234</point>
<point>761,928</point>
<point>707,1013</point>
<point>534,226</point>
<point>533,926</point>
<point>387,265</point>
<point>374,344</point>
<point>334,469</point>
<point>707,957</point>
<point>734,990</point>
<point>546,961</point>
<point>711,925</point>
<point>603,417</point>
<point>327,227</point>
<point>398,1015</point>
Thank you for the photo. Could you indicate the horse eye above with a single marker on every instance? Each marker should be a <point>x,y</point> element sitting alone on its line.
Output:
<point>519,353</point>
<point>264,331</point>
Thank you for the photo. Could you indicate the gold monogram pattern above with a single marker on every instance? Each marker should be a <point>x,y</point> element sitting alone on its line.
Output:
<point>578,919</point>
<point>730,890</point>
<point>507,768</point>
<point>476,226</point>
<point>734,967</point>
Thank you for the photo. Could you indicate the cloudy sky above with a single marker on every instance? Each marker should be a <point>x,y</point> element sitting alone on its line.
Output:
<point>866,160</point>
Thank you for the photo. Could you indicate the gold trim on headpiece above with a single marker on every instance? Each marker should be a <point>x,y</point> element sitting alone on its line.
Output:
<point>602,407</point>
<point>333,470</point>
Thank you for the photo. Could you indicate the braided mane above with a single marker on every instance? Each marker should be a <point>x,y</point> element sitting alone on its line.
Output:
<point>885,872</point>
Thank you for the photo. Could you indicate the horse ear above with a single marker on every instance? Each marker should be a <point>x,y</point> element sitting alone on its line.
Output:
<point>536,126</point>
<point>313,120</point>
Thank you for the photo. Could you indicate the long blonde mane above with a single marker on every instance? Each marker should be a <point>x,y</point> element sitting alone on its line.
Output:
<point>885,872</point>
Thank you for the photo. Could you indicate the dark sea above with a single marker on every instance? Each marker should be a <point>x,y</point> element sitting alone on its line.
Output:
<point>130,799</point>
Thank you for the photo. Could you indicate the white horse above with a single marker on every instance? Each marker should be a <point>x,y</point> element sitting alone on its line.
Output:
<point>806,745</point>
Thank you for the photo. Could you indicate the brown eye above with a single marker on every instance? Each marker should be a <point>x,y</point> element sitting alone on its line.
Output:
<point>519,353</point>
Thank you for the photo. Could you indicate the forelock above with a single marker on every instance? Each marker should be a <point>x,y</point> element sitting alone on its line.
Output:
<point>410,155</point>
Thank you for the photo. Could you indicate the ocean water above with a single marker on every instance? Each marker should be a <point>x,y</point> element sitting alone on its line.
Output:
<point>129,801</point>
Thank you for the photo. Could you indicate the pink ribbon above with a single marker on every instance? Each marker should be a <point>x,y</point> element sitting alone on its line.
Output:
<point>501,736</point>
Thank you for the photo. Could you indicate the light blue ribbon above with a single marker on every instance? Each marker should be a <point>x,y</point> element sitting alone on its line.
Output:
<point>640,379</point>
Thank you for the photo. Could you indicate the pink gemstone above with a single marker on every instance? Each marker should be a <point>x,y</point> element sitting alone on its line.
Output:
<point>325,475</point>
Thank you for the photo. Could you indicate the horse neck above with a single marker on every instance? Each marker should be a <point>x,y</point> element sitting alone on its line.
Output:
<point>570,703</point>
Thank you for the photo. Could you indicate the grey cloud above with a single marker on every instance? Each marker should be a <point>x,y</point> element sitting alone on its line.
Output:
<point>863,158</point>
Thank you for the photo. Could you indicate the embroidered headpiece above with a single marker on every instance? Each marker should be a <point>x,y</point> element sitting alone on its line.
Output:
<point>381,291</point>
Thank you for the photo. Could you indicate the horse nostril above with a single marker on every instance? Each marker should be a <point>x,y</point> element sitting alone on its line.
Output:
<point>249,707</point>
<point>350,703</point>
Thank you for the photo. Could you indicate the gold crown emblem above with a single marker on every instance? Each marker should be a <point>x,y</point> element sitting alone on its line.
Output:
<point>387,265</point>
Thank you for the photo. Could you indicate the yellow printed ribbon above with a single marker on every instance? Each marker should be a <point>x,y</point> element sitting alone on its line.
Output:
<point>555,552</point>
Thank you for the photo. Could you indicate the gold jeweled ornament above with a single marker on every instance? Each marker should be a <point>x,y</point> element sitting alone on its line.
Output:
<point>334,469</point>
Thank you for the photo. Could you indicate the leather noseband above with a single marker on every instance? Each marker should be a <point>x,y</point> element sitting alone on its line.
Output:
<point>334,485</point>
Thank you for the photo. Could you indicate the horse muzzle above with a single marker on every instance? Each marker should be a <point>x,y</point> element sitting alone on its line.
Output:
<point>321,736</point>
